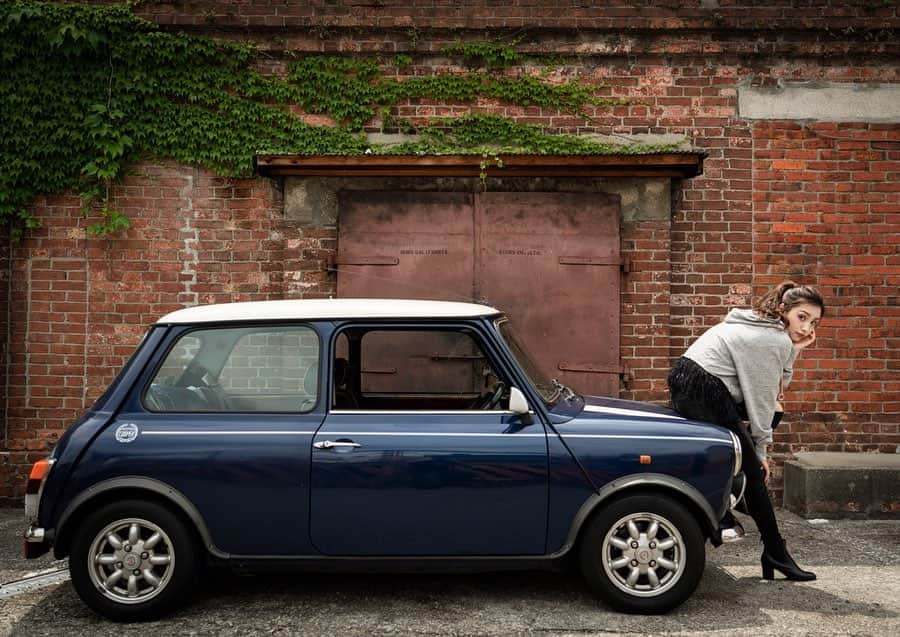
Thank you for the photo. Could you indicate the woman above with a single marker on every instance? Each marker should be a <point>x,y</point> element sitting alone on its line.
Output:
<point>742,364</point>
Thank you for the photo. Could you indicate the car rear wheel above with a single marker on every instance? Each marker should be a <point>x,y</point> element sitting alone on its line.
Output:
<point>643,554</point>
<point>133,560</point>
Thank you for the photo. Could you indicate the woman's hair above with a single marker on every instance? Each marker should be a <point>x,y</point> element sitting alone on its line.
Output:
<point>790,294</point>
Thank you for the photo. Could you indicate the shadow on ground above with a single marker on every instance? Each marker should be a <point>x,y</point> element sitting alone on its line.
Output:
<point>482,604</point>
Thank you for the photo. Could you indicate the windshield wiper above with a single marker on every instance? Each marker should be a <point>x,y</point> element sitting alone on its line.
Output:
<point>563,388</point>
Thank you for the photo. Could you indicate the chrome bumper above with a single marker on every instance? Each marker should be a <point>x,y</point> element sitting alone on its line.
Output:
<point>738,486</point>
<point>37,542</point>
<point>35,534</point>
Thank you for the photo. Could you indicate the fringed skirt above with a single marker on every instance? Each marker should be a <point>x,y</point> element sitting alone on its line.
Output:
<point>698,395</point>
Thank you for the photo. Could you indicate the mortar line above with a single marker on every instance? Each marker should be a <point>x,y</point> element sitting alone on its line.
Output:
<point>87,311</point>
<point>8,354</point>
<point>752,129</point>
<point>191,261</point>
<point>28,279</point>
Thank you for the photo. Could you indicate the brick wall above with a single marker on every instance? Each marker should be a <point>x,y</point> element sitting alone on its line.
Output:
<point>816,201</point>
<point>645,332</point>
<point>827,211</point>
<point>494,14</point>
<point>79,305</point>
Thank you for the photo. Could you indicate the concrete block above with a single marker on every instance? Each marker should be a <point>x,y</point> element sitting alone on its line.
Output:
<point>314,200</point>
<point>843,485</point>
<point>824,101</point>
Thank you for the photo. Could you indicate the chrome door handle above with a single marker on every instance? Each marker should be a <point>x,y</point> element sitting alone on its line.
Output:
<point>329,444</point>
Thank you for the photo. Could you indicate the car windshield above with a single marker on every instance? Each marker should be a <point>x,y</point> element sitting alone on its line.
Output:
<point>547,388</point>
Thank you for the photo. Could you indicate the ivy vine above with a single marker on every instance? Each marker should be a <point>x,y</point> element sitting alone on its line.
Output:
<point>86,90</point>
<point>496,56</point>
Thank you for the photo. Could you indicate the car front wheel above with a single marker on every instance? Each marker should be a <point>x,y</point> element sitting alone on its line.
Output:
<point>133,560</point>
<point>643,554</point>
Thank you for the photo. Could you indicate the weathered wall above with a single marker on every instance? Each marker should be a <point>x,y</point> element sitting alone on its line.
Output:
<point>826,204</point>
<point>78,306</point>
<point>788,190</point>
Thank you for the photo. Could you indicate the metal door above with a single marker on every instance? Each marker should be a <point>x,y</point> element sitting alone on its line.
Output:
<point>407,245</point>
<point>549,260</point>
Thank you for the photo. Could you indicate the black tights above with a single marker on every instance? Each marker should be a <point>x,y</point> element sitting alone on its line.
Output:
<point>698,395</point>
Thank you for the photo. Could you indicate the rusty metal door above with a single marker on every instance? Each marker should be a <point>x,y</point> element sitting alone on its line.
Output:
<point>550,260</point>
<point>406,245</point>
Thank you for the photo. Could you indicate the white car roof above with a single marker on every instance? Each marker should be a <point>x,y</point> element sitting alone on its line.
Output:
<point>326,309</point>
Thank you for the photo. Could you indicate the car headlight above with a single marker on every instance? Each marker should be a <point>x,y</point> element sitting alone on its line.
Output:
<point>738,454</point>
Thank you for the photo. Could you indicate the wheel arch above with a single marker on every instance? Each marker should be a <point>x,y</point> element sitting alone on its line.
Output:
<point>654,484</point>
<point>130,487</point>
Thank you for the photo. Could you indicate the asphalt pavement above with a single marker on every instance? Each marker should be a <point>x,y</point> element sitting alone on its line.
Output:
<point>857,593</point>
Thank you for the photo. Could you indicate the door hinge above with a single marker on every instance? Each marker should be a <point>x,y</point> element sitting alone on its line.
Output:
<point>358,260</point>
<point>597,368</point>
<point>624,264</point>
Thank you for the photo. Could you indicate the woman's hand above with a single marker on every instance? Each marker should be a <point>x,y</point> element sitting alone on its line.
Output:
<point>766,471</point>
<point>806,341</point>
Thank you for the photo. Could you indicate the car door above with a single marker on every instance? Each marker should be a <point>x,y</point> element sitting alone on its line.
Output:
<point>419,462</point>
<point>226,419</point>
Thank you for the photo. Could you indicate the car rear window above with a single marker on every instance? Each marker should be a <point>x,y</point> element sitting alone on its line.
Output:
<point>249,369</point>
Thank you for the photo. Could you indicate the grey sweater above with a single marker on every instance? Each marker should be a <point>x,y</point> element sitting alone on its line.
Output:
<point>750,354</point>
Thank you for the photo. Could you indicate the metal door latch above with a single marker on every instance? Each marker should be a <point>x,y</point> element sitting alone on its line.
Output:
<point>330,444</point>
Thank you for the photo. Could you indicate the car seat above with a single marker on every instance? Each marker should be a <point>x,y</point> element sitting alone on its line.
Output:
<point>343,397</point>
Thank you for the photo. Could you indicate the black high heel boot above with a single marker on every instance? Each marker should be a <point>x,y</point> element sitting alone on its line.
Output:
<point>786,566</point>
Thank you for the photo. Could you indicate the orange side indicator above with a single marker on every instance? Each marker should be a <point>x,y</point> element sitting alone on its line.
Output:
<point>39,469</point>
<point>646,459</point>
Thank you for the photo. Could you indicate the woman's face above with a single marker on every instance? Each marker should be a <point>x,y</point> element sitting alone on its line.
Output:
<point>802,320</point>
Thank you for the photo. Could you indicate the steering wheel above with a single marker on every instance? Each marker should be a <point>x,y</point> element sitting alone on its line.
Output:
<point>215,395</point>
<point>195,375</point>
<point>494,401</point>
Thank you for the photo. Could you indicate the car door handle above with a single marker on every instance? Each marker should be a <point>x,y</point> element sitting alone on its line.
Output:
<point>330,444</point>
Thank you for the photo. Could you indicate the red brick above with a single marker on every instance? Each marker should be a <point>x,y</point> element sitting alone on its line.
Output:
<point>812,201</point>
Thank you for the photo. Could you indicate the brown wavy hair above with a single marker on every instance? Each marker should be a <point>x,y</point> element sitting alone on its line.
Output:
<point>790,294</point>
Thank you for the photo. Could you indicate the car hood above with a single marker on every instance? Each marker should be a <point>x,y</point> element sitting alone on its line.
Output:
<point>599,405</point>
<point>627,417</point>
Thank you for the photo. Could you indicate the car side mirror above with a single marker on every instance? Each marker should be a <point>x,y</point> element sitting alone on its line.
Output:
<point>518,405</point>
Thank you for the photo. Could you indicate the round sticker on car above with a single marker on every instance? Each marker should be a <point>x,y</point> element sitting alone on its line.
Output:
<point>127,432</point>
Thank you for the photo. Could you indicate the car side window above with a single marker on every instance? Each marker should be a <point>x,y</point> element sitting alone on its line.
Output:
<point>408,369</point>
<point>251,369</point>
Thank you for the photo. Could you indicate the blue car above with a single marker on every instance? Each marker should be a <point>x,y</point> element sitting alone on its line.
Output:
<point>360,435</point>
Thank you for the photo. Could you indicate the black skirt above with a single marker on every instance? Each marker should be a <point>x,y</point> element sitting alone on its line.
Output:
<point>698,395</point>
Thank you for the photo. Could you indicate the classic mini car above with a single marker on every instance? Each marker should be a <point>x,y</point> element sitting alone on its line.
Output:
<point>369,434</point>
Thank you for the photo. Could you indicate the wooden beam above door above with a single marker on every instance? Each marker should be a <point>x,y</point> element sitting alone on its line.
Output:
<point>674,165</point>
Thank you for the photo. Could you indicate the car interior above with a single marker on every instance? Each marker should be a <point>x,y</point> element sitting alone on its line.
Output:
<point>414,369</point>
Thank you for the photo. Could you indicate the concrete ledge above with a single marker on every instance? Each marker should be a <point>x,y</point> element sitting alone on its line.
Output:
<point>843,485</point>
<point>822,101</point>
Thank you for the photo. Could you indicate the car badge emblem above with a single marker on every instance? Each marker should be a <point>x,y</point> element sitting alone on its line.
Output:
<point>127,432</point>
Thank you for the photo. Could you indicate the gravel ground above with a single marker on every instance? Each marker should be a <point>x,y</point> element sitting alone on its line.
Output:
<point>857,593</point>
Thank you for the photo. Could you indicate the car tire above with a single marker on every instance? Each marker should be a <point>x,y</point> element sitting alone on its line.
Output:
<point>643,553</point>
<point>133,560</point>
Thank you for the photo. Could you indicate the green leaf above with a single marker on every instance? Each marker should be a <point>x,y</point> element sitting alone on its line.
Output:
<point>143,92</point>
